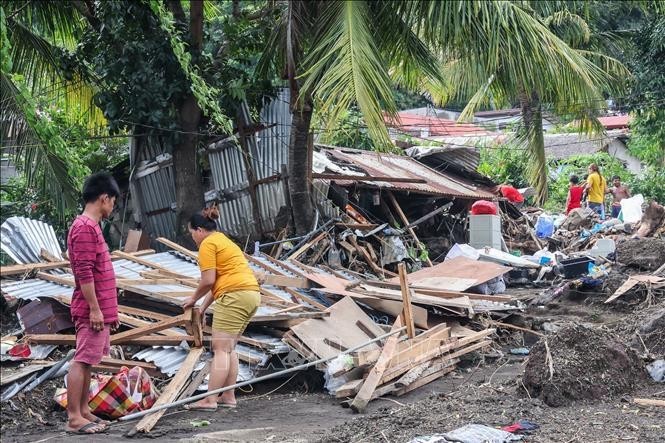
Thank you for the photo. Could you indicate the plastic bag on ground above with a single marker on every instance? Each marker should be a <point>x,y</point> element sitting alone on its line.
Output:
<point>343,361</point>
<point>463,250</point>
<point>544,226</point>
<point>472,433</point>
<point>657,370</point>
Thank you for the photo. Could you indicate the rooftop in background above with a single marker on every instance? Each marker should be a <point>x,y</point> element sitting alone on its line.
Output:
<point>354,162</point>
<point>415,123</point>
<point>498,113</point>
<point>615,121</point>
<point>562,146</point>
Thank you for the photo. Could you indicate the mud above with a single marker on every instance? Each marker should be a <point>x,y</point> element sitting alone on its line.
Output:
<point>583,364</point>
<point>646,254</point>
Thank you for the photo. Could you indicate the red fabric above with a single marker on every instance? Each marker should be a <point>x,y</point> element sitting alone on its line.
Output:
<point>91,262</point>
<point>574,198</point>
<point>483,207</point>
<point>512,194</point>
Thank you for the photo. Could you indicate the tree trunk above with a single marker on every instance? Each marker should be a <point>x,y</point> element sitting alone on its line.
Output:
<point>188,185</point>
<point>299,186</point>
<point>532,115</point>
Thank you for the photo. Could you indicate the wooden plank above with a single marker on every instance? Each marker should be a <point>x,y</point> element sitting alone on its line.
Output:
<point>152,328</point>
<point>70,340</point>
<point>452,345</point>
<point>632,281</point>
<point>367,178</point>
<point>467,272</point>
<point>284,281</point>
<point>363,252</point>
<point>307,245</point>
<point>426,378</point>
<point>373,379</point>
<point>196,381</point>
<point>12,375</point>
<point>172,390</point>
<point>181,249</point>
<point>405,220</point>
<point>147,263</point>
<point>31,267</point>
<point>130,363</point>
<point>407,310</point>
<point>649,402</point>
<point>349,389</point>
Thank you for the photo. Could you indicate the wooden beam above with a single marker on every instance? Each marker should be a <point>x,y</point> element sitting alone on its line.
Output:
<point>649,402</point>
<point>407,310</point>
<point>405,220</point>
<point>306,246</point>
<point>70,340</point>
<point>373,379</point>
<point>181,249</point>
<point>155,327</point>
<point>171,392</point>
<point>32,267</point>
<point>367,178</point>
<point>147,263</point>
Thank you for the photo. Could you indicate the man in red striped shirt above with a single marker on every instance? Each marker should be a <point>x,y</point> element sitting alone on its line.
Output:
<point>94,307</point>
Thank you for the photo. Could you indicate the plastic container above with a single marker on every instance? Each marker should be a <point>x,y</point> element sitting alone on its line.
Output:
<point>575,267</point>
<point>544,226</point>
<point>631,209</point>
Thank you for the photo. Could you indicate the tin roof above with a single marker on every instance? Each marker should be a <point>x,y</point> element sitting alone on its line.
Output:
<point>436,126</point>
<point>397,166</point>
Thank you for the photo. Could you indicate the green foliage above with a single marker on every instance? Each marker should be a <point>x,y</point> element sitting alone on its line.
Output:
<point>141,81</point>
<point>19,199</point>
<point>348,132</point>
<point>207,96</point>
<point>651,185</point>
<point>505,164</point>
<point>647,98</point>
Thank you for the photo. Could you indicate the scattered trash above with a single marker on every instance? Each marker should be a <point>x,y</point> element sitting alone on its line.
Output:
<point>199,423</point>
<point>657,370</point>
<point>472,433</point>
<point>519,351</point>
<point>521,426</point>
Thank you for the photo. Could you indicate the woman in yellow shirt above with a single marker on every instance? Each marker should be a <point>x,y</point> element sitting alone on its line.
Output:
<point>596,186</point>
<point>228,283</point>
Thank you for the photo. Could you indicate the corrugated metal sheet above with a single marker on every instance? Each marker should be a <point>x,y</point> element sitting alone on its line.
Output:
<point>23,239</point>
<point>376,164</point>
<point>269,151</point>
<point>33,289</point>
<point>168,358</point>
<point>155,185</point>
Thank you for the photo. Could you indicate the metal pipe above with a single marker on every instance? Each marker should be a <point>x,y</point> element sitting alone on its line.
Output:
<point>256,380</point>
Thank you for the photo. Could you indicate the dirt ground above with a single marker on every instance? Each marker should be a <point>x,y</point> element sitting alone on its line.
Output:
<point>486,390</point>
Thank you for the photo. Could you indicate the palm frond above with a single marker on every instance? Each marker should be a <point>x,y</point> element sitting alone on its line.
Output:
<point>570,27</point>
<point>345,68</point>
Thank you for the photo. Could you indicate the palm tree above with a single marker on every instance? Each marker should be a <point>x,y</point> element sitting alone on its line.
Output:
<point>338,53</point>
<point>35,37</point>
<point>550,68</point>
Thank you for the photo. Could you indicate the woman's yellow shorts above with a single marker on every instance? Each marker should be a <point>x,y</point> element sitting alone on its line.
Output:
<point>232,311</point>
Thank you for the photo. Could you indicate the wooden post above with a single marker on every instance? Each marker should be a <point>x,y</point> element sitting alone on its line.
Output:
<point>171,392</point>
<point>407,311</point>
<point>372,381</point>
<point>405,221</point>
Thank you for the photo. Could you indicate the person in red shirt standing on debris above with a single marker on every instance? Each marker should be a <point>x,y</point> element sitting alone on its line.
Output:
<point>94,307</point>
<point>575,192</point>
<point>512,195</point>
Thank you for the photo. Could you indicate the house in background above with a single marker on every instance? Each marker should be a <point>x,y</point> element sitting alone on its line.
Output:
<point>501,119</point>
<point>563,146</point>
<point>429,124</point>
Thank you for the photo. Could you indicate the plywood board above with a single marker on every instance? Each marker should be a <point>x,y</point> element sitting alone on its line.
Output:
<point>339,327</point>
<point>456,274</point>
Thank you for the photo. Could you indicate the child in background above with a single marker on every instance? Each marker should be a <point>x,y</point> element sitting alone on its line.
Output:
<point>575,192</point>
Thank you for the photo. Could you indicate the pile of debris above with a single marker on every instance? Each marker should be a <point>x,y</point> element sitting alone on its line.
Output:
<point>308,314</point>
